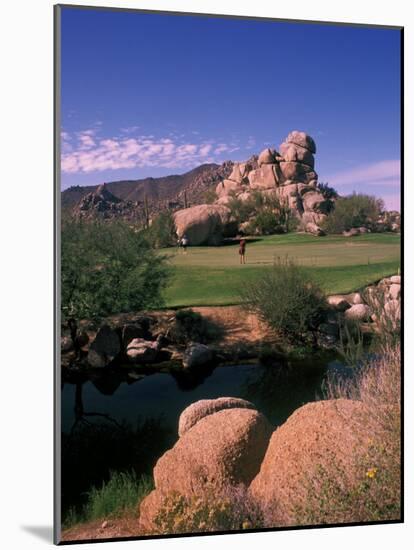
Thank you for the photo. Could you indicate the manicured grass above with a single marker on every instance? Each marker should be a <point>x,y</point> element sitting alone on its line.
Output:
<point>213,276</point>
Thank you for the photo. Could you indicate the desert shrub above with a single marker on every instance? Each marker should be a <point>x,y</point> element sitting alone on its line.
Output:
<point>265,223</point>
<point>191,326</point>
<point>229,509</point>
<point>367,488</point>
<point>162,231</point>
<point>286,299</point>
<point>355,210</point>
<point>108,267</point>
<point>266,213</point>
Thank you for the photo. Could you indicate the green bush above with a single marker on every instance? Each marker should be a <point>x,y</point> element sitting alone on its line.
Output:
<point>286,299</point>
<point>356,210</point>
<point>108,267</point>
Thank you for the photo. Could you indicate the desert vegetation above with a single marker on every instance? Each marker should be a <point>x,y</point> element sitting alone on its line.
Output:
<point>287,300</point>
<point>108,268</point>
<point>354,211</point>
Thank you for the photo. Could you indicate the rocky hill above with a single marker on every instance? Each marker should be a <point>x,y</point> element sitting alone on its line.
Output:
<point>185,189</point>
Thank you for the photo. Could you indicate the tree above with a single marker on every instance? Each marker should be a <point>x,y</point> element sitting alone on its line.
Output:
<point>162,231</point>
<point>108,267</point>
<point>355,210</point>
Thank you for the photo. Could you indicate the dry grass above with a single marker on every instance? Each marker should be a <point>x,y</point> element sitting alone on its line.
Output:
<point>368,487</point>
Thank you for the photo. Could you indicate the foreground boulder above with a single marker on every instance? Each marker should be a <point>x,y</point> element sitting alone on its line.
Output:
<point>222,449</point>
<point>200,409</point>
<point>312,435</point>
<point>104,348</point>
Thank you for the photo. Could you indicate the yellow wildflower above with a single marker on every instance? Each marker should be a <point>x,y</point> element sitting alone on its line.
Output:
<point>371,472</point>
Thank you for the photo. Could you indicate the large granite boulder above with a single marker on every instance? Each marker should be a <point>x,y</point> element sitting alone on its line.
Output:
<point>239,172</point>
<point>295,153</point>
<point>297,171</point>
<point>310,437</point>
<point>267,156</point>
<point>225,187</point>
<point>222,449</point>
<point>226,447</point>
<point>202,224</point>
<point>200,409</point>
<point>302,139</point>
<point>236,175</point>
<point>264,177</point>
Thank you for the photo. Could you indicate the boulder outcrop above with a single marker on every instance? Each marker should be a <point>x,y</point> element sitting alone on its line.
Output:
<point>203,224</point>
<point>289,173</point>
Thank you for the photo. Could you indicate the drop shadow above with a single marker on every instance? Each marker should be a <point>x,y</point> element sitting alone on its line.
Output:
<point>43,532</point>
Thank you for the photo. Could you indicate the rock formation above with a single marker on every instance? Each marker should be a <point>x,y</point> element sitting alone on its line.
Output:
<point>103,204</point>
<point>289,173</point>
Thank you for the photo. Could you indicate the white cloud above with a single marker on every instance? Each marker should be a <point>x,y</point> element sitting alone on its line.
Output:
<point>89,153</point>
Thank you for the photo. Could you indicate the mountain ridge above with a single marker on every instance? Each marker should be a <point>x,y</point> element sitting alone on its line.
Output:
<point>193,184</point>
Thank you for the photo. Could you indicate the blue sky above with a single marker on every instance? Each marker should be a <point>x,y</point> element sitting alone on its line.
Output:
<point>151,94</point>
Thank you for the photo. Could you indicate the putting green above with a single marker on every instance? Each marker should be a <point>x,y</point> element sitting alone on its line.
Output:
<point>213,275</point>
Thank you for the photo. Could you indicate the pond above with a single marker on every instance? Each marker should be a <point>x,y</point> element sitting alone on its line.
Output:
<point>114,422</point>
